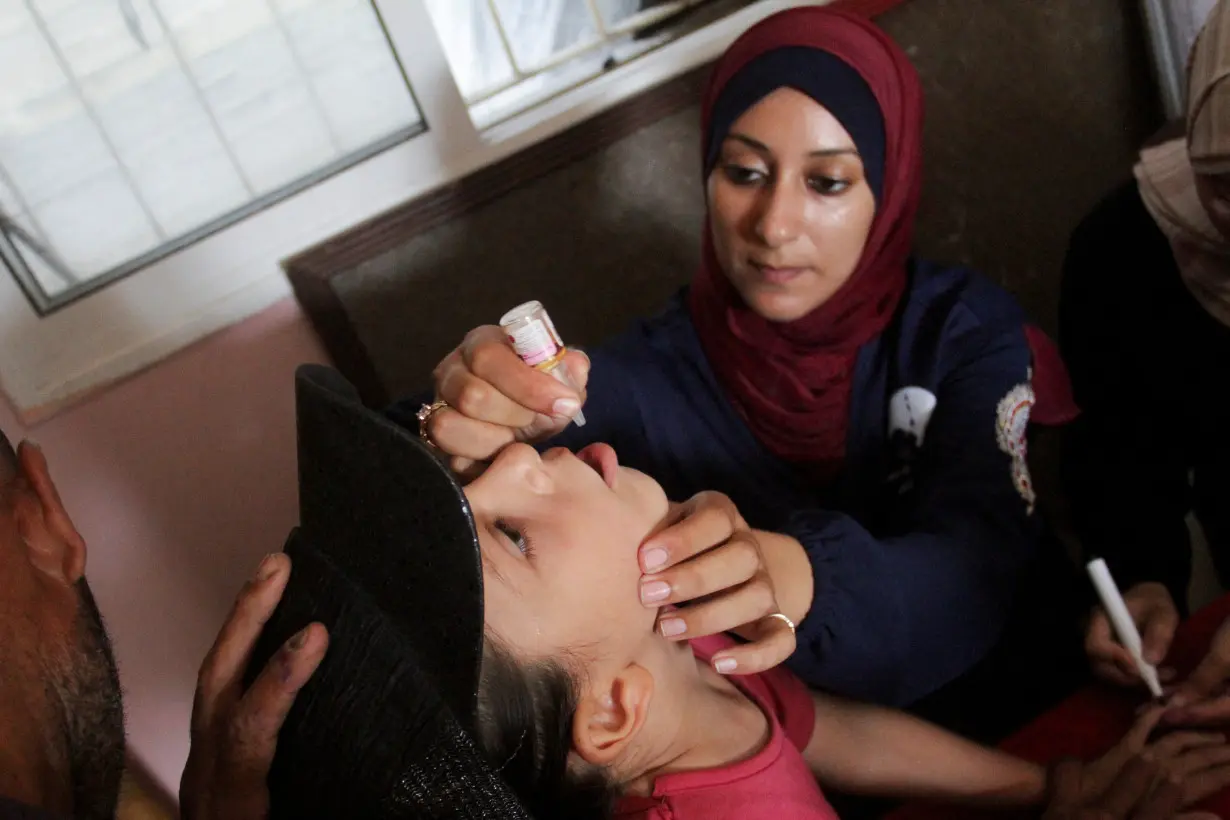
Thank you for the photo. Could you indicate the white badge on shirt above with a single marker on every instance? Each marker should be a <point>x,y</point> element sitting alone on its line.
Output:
<point>1011,426</point>
<point>909,413</point>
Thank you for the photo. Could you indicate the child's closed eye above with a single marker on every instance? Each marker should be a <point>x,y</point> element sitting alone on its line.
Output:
<point>516,537</point>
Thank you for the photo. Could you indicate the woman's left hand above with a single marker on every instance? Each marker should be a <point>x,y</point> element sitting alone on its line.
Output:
<point>707,562</point>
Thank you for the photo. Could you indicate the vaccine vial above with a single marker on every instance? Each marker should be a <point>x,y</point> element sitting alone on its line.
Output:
<point>534,337</point>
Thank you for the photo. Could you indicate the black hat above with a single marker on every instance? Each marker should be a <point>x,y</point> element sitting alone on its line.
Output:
<point>386,556</point>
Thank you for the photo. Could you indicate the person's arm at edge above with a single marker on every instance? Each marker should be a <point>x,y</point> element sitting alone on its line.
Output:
<point>867,749</point>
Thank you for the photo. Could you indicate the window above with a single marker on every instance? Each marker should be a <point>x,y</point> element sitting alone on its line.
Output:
<point>133,127</point>
<point>507,55</point>
<point>158,158</point>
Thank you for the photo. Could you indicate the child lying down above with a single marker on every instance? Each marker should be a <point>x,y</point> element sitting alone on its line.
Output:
<point>489,656</point>
<point>586,709</point>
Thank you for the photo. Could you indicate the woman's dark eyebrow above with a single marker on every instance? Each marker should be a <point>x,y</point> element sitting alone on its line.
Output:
<point>760,146</point>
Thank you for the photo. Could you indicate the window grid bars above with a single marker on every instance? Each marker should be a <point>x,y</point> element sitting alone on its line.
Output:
<point>606,35</point>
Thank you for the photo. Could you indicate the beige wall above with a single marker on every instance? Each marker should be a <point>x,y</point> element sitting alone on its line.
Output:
<point>180,479</point>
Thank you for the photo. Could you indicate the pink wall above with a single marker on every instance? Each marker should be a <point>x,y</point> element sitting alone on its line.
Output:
<point>180,478</point>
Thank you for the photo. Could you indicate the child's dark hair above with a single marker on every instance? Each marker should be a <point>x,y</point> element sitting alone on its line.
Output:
<point>525,714</point>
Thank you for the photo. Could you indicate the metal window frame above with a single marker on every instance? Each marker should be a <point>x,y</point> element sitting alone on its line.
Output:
<point>420,57</point>
<point>44,304</point>
<point>605,36</point>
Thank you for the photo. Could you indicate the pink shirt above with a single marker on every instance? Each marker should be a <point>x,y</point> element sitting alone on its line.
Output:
<point>774,784</point>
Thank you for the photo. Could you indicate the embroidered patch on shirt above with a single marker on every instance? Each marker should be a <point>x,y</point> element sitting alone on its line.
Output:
<point>1011,424</point>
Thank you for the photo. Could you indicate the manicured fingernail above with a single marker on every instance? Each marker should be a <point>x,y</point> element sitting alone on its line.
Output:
<point>268,566</point>
<point>565,408</point>
<point>653,558</point>
<point>725,665</point>
<point>652,591</point>
<point>296,643</point>
<point>672,627</point>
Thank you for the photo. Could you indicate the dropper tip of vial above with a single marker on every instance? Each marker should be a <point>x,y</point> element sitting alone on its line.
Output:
<point>579,419</point>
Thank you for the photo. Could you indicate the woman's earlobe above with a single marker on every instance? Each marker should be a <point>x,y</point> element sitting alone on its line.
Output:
<point>609,720</point>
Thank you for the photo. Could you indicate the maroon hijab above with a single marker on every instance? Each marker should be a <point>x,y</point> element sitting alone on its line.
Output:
<point>791,381</point>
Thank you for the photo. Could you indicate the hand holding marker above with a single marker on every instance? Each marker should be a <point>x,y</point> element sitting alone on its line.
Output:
<point>534,338</point>
<point>1122,621</point>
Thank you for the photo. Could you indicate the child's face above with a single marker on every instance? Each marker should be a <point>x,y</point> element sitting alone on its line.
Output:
<point>559,537</point>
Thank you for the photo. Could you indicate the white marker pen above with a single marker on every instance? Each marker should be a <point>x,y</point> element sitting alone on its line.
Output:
<point>1122,621</point>
<point>533,336</point>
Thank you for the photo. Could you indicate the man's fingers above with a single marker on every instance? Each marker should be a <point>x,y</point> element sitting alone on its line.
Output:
<point>772,643</point>
<point>252,730</point>
<point>1199,759</point>
<point>492,360</point>
<point>1138,736</point>
<point>1215,712</point>
<point>1065,788</point>
<point>700,523</point>
<point>1135,780</point>
<point>730,610</point>
<point>1206,782</point>
<point>722,567</point>
<point>1166,798</point>
<point>1178,743</point>
<point>224,665</point>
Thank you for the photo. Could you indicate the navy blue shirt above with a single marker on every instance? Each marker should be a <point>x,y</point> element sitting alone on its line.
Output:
<point>916,549</point>
<point>10,810</point>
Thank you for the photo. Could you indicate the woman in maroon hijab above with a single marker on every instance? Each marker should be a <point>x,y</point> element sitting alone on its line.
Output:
<point>848,422</point>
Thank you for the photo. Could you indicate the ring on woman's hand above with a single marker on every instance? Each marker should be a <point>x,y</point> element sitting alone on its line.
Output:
<point>424,416</point>
<point>779,616</point>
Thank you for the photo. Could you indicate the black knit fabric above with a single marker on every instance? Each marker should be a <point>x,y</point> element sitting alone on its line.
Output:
<point>386,556</point>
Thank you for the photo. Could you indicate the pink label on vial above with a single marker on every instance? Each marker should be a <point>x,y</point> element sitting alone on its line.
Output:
<point>534,342</point>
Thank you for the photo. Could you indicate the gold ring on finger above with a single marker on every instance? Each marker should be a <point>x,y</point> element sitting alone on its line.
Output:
<point>424,416</point>
<point>779,616</point>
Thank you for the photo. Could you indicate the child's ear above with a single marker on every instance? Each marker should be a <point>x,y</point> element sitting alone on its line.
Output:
<point>609,717</point>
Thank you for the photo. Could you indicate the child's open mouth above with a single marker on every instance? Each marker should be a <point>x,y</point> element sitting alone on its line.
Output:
<point>602,458</point>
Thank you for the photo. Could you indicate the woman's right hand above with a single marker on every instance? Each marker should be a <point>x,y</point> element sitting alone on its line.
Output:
<point>1156,616</point>
<point>494,399</point>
